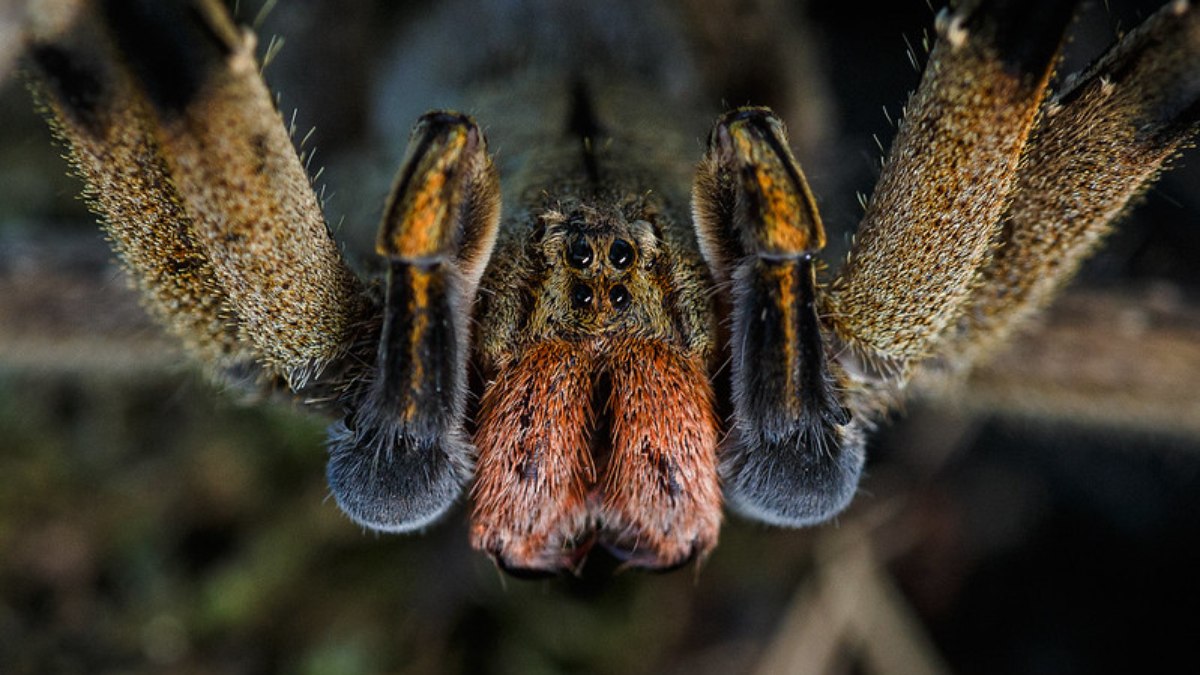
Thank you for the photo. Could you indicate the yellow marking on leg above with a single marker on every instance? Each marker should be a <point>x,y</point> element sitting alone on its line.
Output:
<point>419,281</point>
<point>787,302</point>
<point>422,224</point>
<point>790,221</point>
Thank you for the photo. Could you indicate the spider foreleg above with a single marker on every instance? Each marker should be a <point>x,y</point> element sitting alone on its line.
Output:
<point>237,174</point>
<point>934,217</point>
<point>401,457</point>
<point>794,453</point>
<point>1098,145</point>
<point>102,111</point>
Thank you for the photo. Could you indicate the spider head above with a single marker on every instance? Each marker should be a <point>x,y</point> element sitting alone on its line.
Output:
<point>600,277</point>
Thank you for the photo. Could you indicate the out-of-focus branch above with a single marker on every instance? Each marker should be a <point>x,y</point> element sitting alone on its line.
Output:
<point>1124,360</point>
<point>851,608</point>
<point>66,308</point>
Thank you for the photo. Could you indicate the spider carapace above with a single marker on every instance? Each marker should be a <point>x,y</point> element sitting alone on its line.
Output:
<point>557,362</point>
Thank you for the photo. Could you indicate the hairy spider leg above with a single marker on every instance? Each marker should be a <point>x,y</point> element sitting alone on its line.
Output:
<point>1098,144</point>
<point>934,217</point>
<point>106,121</point>
<point>794,453</point>
<point>400,458</point>
<point>193,172</point>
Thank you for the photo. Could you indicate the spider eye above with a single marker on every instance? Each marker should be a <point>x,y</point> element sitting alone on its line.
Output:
<point>579,254</point>
<point>581,296</point>
<point>619,296</point>
<point>620,254</point>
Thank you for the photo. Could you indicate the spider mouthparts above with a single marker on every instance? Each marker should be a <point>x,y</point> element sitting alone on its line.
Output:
<point>578,560</point>
<point>525,573</point>
<point>568,560</point>
<point>646,560</point>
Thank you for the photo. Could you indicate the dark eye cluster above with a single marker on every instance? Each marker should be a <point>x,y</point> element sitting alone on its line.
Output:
<point>621,256</point>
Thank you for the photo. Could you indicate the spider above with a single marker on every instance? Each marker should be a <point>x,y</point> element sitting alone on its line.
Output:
<point>638,339</point>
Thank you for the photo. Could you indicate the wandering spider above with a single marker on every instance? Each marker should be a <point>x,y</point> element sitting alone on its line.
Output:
<point>634,363</point>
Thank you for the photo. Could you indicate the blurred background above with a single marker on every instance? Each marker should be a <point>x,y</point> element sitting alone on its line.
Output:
<point>150,522</point>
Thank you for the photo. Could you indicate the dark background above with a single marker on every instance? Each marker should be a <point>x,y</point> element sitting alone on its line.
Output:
<point>151,523</point>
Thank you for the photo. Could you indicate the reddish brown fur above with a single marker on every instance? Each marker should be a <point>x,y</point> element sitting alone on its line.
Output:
<point>537,497</point>
<point>661,495</point>
<point>534,467</point>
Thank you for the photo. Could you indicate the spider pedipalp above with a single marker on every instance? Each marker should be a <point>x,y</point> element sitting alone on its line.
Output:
<point>400,458</point>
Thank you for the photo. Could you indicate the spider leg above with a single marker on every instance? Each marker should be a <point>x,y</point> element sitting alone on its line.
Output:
<point>1098,145</point>
<point>794,452</point>
<point>400,458</point>
<point>100,109</point>
<point>935,212</point>
<point>191,167</point>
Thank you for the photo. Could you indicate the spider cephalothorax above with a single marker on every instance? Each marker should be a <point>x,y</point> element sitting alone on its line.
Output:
<point>636,362</point>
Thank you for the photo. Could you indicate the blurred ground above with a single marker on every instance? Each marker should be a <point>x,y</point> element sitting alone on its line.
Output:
<point>149,523</point>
